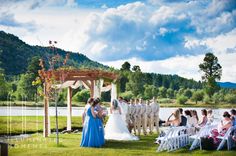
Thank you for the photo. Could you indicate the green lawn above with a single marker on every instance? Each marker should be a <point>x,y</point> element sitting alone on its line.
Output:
<point>69,145</point>
<point>35,124</point>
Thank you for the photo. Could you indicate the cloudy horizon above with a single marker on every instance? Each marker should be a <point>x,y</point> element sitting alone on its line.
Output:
<point>160,36</point>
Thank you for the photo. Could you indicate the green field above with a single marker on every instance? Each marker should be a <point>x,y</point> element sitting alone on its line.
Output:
<point>35,124</point>
<point>69,143</point>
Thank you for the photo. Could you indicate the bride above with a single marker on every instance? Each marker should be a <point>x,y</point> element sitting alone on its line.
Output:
<point>116,128</point>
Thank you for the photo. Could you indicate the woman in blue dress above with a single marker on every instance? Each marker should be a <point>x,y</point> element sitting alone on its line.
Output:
<point>90,134</point>
<point>99,111</point>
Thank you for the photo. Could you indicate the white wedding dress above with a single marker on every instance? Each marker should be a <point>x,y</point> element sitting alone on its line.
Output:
<point>116,128</point>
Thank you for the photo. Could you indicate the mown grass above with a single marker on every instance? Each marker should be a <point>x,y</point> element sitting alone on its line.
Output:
<point>34,124</point>
<point>70,145</point>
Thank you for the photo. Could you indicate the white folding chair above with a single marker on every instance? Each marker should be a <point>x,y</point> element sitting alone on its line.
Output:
<point>204,131</point>
<point>226,138</point>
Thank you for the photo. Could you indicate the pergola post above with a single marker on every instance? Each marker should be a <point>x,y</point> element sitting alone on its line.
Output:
<point>46,129</point>
<point>113,91</point>
<point>92,88</point>
<point>69,108</point>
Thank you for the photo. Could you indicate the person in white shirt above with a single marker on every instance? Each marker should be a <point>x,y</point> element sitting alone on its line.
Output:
<point>132,114</point>
<point>210,116</point>
<point>149,116</point>
<point>155,113</point>
<point>143,116</point>
<point>138,108</point>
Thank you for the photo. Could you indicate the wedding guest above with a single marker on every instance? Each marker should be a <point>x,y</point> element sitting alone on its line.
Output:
<point>225,124</point>
<point>88,104</point>
<point>100,118</point>
<point>90,133</point>
<point>143,117</point>
<point>210,116</point>
<point>195,118</point>
<point>177,119</point>
<point>190,119</point>
<point>204,120</point>
<point>183,118</point>
<point>233,118</point>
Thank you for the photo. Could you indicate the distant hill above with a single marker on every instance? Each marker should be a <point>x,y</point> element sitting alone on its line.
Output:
<point>227,85</point>
<point>16,54</point>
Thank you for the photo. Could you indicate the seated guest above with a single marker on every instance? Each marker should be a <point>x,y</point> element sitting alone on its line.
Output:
<point>190,119</point>
<point>195,118</point>
<point>177,119</point>
<point>225,124</point>
<point>233,118</point>
<point>204,118</point>
<point>183,118</point>
<point>210,116</point>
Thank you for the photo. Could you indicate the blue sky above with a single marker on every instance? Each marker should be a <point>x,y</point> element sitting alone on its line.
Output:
<point>162,36</point>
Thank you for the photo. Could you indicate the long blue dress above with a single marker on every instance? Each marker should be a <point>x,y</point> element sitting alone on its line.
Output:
<point>100,126</point>
<point>90,135</point>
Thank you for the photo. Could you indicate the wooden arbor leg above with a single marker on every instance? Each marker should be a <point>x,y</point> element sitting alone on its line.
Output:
<point>92,88</point>
<point>69,108</point>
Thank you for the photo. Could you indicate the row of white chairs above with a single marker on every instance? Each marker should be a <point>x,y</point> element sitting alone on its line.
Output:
<point>177,137</point>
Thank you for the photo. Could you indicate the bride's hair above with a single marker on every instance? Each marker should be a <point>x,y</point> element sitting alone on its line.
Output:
<point>115,104</point>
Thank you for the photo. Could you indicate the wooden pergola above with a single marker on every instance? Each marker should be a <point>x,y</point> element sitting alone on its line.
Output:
<point>96,81</point>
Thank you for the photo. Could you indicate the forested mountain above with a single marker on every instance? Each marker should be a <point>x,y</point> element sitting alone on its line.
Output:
<point>16,54</point>
<point>227,85</point>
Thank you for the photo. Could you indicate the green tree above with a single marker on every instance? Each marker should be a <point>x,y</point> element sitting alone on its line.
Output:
<point>4,86</point>
<point>136,83</point>
<point>125,66</point>
<point>197,96</point>
<point>188,93</point>
<point>127,95</point>
<point>81,96</point>
<point>170,93</point>
<point>25,87</point>
<point>212,72</point>
<point>150,91</point>
<point>162,92</point>
<point>136,68</point>
<point>182,99</point>
<point>230,98</point>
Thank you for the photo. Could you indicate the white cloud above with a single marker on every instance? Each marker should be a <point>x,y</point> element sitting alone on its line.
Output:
<point>185,66</point>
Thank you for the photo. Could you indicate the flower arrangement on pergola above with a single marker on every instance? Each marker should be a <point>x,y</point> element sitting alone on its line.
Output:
<point>97,81</point>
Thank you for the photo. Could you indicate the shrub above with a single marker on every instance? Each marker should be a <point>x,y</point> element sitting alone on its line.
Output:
<point>81,96</point>
<point>230,98</point>
<point>207,99</point>
<point>197,96</point>
<point>127,95</point>
<point>182,99</point>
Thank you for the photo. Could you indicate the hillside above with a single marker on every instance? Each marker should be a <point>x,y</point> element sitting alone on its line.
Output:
<point>15,55</point>
<point>227,85</point>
